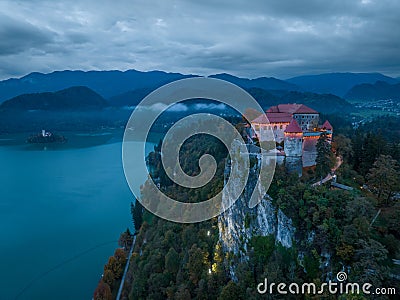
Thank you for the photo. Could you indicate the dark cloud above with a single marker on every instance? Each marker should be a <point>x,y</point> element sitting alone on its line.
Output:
<point>19,36</point>
<point>247,38</point>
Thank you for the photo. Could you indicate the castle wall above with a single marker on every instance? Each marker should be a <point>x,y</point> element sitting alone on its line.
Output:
<point>293,146</point>
<point>263,131</point>
<point>309,151</point>
<point>279,130</point>
<point>307,122</point>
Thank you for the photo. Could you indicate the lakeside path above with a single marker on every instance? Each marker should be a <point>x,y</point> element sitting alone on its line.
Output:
<point>126,269</point>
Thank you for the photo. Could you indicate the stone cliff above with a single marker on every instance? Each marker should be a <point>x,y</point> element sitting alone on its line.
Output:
<point>239,223</point>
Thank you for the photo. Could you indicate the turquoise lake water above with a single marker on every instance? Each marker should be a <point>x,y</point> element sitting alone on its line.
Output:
<point>61,213</point>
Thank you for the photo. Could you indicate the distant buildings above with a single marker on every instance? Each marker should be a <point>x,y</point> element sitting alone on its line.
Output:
<point>295,128</point>
<point>45,133</point>
<point>45,137</point>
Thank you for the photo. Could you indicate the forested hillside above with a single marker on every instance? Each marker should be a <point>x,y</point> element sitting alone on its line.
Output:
<point>336,230</point>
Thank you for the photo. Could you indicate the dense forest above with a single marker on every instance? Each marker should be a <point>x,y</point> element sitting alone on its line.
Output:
<point>356,231</point>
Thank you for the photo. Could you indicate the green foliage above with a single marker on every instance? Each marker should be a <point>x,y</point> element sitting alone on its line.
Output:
<point>247,220</point>
<point>370,266</point>
<point>137,214</point>
<point>180,261</point>
<point>311,264</point>
<point>196,264</point>
<point>176,261</point>
<point>231,291</point>
<point>343,146</point>
<point>102,292</point>
<point>263,247</point>
<point>73,98</point>
<point>324,160</point>
<point>172,261</point>
<point>384,177</point>
<point>125,240</point>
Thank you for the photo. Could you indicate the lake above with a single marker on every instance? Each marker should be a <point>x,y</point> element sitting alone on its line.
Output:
<point>61,213</point>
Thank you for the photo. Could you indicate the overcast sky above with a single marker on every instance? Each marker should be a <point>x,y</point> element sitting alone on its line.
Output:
<point>244,38</point>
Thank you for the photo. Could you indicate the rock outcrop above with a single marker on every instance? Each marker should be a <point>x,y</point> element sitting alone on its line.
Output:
<point>239,223</point>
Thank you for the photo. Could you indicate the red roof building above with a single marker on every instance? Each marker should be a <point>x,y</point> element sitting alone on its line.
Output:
<point>293,127</point>
<point>292,108</point>
<point>273,118</point>
<point>327,125</point>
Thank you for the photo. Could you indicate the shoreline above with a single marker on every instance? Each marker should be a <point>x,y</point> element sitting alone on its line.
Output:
<point>75,139</point>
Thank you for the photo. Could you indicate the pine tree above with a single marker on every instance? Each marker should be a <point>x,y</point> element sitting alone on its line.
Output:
<point>384,177</point>
<point>324,162</point>
<point>137,214</point>
<point>125,239</point>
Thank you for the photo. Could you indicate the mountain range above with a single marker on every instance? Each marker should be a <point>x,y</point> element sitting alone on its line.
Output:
<point>82,98</point>
<point>100,98</point>
<point>377,91</point>
<point>337,83</point>
<point>123,84</point>
<point>266,83</point>
<point>105,83</point>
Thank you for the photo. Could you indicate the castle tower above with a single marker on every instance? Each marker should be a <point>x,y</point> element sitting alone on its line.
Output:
<point>293,140</point>
<point>327,127</point>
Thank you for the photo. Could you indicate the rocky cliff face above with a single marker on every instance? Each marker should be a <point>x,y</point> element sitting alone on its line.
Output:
<point>239,223</point>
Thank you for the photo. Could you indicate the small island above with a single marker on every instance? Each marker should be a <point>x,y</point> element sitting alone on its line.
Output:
<point>46,137</point>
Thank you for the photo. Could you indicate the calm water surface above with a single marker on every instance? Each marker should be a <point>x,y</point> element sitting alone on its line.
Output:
<point>61,213</point>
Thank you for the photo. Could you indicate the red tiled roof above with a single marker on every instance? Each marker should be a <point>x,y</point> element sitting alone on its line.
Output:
<point>273,118</point>
<point>262,119</point>
<point>327,125</point>
<point>292,109</point>
<point>293,127</point>
<point>279,117</point>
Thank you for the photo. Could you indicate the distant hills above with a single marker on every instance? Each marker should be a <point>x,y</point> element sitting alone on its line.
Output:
<point>377,91</point>
<point>73,98</point>
<point>324,103</point>
<point>83,108</point>
<point>133,97</point>
<point>130,98</point>
<point>105,83</point>
<point>123,87</point>
<point>82,98</point>
<point>79,90</point>
<point>118,84</point>
<point>337,83</point>
<point>265,83</point>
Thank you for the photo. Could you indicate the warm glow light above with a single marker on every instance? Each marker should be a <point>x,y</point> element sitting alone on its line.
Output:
<point>296,134</point>
<point>214,267</point>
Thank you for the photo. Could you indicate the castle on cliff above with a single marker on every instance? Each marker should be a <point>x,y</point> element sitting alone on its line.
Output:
<point>296,130</point>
